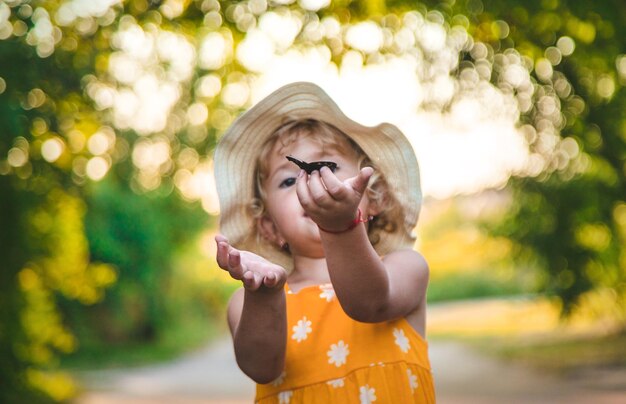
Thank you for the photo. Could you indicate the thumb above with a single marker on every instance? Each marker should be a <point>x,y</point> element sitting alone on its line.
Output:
<point>360,182</point>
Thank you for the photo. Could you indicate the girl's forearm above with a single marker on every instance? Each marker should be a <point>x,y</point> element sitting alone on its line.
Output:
<point>357,273</point>
<point>260,338</point>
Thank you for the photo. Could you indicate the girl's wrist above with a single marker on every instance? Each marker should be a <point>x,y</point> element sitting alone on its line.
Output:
<point>262,300</point>
<point>349,226</point>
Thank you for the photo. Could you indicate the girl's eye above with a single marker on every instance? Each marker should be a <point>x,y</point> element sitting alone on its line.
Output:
<point>287,183</point>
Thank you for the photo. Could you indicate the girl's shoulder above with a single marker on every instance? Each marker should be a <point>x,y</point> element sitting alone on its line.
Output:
<point>237,295</point>
<point>235,307</point>
<point>406,259</point>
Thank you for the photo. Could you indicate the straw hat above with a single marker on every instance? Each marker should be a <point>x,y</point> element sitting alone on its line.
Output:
<point>237,151</point>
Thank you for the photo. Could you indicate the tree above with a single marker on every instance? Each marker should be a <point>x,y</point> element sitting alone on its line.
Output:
<point>52,141</point>
<point>44,251</point>
<point>570,208</point>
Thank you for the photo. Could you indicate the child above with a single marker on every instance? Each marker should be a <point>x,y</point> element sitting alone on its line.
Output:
<point>333,303</point>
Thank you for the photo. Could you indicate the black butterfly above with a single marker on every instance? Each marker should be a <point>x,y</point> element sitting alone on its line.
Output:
<point>312,166</point>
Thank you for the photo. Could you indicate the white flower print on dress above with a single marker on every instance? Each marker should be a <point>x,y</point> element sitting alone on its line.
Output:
<point>338,353</point>
<point>412,380</point>
<point>279,380</point>
<point>284,397</point>
<point>367,394</point>
<point>328,292</point>
<point>336,382</point>
<point>301,329</point>
<point>401,340</point>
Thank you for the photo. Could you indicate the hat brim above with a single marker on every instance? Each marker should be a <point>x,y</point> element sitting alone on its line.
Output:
<point>236,155</point>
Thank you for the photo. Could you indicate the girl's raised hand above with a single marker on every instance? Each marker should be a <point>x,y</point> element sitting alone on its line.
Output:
<point>252,270</point>
<point>330,202</point>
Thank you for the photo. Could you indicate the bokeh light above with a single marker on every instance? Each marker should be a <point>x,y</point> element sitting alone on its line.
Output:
<point>17,157</point>
<point>408,63</point>
<point>477,137</point>
<point>208,86</point>
<point>365,36</point>
<point>52,148</point>
<point>566,45</point>
<point>96,168</point>
<point>215,50</point>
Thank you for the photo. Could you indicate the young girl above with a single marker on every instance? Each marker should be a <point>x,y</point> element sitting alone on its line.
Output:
<point>333,303</point>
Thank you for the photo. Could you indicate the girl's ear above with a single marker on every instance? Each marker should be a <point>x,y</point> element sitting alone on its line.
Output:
<point>374,206</point>
<point>373,209</point>
<point>267,229</point>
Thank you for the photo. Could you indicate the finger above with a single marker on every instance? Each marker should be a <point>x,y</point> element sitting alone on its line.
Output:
<point>235,268</point>
<point>334,186</point>
<point>270,280</point>
<point>220,238</point>
<point>222,255</point>
<point>252,280</point>
<point>222,251</point>
<point>302,190</point>
<point>318,192</point>
<point>248,281</point>
<point>359,183</point>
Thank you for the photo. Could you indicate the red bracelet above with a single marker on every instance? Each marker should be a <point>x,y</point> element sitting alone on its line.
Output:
<point>351,226</point>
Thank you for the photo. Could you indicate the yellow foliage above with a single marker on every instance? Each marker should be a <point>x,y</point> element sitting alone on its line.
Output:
<point>619,213</point>
<point>596,236</point>
<point>28,279</point>
<point>41,321</point>
<point>64,269</point>
<point>604,305</point>
<point>581,30</point>
<point>102,275</point>
<point>463,249</point>
<point>57,385</point>
<point>493,317</point>
<point>67,268</point>
<point>599,312</point>
<point>375,7</point>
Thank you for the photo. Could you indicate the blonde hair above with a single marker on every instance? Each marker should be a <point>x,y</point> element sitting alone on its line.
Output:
<point>391,214</point>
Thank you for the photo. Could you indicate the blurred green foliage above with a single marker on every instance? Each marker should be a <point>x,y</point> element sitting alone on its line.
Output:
<point>569,218</point>
<point>139,234</point>
<point>478,284</point>
<point>97,262</point>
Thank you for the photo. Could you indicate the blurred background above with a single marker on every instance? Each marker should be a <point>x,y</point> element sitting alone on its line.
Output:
<point>110,111</point>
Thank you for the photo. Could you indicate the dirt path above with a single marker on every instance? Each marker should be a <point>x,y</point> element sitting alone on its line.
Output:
<point>206,376</point>
<point>462,376</point>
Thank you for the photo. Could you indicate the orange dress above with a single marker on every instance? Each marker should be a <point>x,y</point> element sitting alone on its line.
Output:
<point>331,358</point>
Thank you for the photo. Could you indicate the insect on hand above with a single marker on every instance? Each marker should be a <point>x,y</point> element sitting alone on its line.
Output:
<point>312,166</point>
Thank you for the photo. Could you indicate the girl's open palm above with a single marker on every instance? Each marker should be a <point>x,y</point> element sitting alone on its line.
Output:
<point>330,202</point>
<point>253,271</point>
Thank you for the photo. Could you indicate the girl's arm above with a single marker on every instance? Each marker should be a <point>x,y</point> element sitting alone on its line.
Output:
<point>258,324</point>
<point>369,288</point>
<point>256,313</point>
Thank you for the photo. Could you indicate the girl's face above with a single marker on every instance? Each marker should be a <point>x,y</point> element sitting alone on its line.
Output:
<point>287,221</point>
